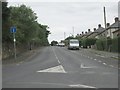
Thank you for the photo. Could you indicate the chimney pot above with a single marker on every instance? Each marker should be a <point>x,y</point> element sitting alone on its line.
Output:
<point>82,32</point>
<point>99,25</point>
<point>94,29</point>
<point>116,19</point>
<point>88,30</point>
<point>108,24</point>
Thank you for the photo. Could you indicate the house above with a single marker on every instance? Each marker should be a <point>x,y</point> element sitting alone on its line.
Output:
<point>113,28</point>
<point>96,31</point>
<point>86,34</point>
<point>116,33</point>
<point>82,35</point>
<point>110,30</point>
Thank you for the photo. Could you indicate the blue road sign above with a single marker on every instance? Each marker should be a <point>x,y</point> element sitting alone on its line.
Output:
<point>13,29</point>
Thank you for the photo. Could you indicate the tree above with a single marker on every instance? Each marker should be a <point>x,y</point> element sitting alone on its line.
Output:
<point>5,22</point>
<point>53,43</point>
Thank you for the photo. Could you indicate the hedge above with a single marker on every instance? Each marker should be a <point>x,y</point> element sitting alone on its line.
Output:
<point>108,44</point>
<point>88,42</point>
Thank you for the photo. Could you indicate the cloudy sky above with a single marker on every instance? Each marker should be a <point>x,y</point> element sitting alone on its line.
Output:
<point>61,17</point>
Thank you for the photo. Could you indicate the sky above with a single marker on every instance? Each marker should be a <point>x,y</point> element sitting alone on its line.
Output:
<point>66,18</point>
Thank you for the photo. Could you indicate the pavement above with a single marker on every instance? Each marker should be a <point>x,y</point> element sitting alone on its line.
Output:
<point>58,67</point>
<point>114,55</point>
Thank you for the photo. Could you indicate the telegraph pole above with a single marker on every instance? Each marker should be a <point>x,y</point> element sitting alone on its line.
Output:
<point>64,35</point>
<point>105,24</point>
<point>105,18</point>
<point>73,31</point>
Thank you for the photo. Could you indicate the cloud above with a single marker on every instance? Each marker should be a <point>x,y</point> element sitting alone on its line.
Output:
<point>62,16</point>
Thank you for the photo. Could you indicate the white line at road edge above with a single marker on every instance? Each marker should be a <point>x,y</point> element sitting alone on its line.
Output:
<point>83,66</point>
<point>99,61</point>
<point>82,86</point>
<point>104,63</point>
<point>111,65</point>
<point>95,59</point>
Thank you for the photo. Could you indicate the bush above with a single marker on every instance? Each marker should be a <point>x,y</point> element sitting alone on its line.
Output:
<point>88,42</point>
<point>115,44</point>
<point>109,44</point>
<point>100,43</point>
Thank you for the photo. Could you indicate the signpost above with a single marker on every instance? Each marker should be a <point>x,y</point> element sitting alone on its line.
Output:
<point>13,30</point>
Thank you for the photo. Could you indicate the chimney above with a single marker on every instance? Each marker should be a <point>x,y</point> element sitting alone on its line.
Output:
<point>108,24</point>
<point>99,25</point>
<point>116,19</point>
<point>88,30</point>
<point>85,32</point>
<point>94,29</point>
<point>82,32</point>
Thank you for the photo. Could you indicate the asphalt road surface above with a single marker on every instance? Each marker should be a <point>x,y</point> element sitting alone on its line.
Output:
<point>58,67</point>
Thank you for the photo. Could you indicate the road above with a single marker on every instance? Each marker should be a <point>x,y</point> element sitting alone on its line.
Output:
<point>58,67</point>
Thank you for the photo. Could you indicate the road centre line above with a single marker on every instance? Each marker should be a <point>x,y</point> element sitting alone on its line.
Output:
<point>56,56</point>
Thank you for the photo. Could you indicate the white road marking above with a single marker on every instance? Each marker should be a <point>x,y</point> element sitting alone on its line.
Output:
<point>56,56</point>
<point>18,64</point>
<point>104,63</point>
<point>56,69</point>
<point>58,60</point>
<point>95,59</point>
<point>91,58</point>
<point>99,61</point>
<point>102,56</point>
<point>80,85</point>
<point>111,65</point>
<point>83,66</point>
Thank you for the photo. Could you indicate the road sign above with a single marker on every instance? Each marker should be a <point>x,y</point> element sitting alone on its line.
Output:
<point>13,29</point>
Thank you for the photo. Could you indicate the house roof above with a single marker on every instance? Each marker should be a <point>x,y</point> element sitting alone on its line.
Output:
<point>117,31</point>
<point>115,25</point>
<point>99,30</point>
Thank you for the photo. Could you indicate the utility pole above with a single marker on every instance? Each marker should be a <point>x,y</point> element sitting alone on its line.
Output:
<point>105,18</point>
<point>64,35</point>
<point>73,31</point>
<point>105,25</point>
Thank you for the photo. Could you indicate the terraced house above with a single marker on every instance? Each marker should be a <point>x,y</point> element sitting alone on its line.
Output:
<point>96,32</point>
<point>111,31</point>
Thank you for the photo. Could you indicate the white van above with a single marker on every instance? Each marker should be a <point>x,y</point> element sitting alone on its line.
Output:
<point>73,44</point>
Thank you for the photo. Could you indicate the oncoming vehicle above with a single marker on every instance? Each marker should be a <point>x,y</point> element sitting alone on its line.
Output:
<point>61,44</point>
<point>73,44</point>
